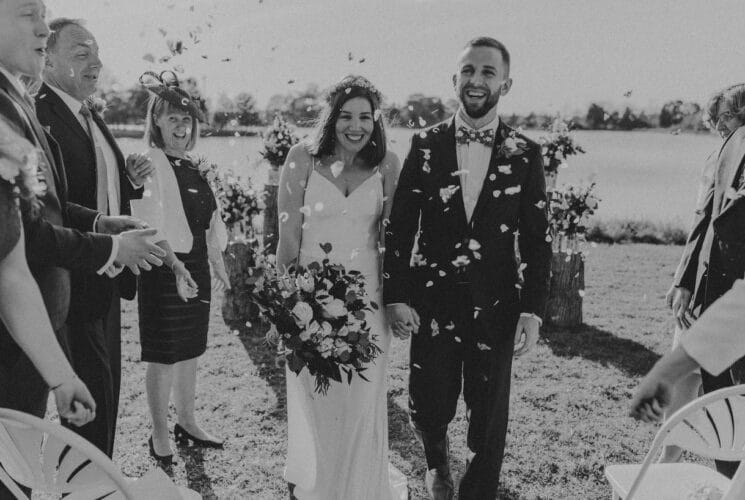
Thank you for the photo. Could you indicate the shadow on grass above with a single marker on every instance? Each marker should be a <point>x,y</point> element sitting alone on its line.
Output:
<point>196,477</point>
<point>601,347</point>
<point>264,357</point>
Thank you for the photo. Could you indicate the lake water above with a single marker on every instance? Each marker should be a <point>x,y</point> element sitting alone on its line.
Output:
<point>651,175</point>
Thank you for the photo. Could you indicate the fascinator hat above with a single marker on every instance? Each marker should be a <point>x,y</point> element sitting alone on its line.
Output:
<point>166,86</point>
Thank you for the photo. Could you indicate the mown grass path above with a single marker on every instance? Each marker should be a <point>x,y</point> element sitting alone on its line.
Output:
<point>569,396</point>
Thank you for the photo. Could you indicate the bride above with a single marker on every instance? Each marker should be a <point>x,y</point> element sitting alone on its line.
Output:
<point>338,189</point>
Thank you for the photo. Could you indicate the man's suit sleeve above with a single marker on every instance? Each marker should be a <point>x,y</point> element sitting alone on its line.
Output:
<point>402,229</point>
<point>535,251</point>
<point>715,340</point>
<point>65,247</point>
<point>80,217</point>
<point>685,275</point>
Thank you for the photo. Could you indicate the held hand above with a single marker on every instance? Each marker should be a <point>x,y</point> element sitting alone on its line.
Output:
<point>135,251</point>
<point>115,224</point>
<point>139,167</point>
<point>681,302</point>
<point>651,398</point>
<point>74,402</point>
<point>403,319</point>
<point>186,287</point>
<point>526,334</point>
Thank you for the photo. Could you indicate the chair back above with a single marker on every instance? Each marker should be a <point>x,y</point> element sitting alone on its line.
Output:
<point>712,426</point>
<point>46,457</point>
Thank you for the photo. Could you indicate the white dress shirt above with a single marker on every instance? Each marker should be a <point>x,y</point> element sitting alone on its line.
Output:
<point>473,163</point>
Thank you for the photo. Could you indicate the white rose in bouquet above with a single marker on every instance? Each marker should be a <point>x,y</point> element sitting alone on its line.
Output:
<point>303,313</point>
<point>326,329</point>
<point>327,347</point>
<point>306,283</point>
<point>335,309</point>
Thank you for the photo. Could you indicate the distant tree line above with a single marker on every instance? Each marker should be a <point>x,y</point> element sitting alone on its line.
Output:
<point>302,107</point>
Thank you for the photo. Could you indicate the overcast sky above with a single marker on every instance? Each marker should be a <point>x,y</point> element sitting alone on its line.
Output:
<point>565,53</point>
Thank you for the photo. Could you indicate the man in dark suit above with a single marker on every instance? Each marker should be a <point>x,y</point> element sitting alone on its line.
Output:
<point>99,178</point>
<point>715,251</point>
<point>467,187</point>
<point>57,240</point>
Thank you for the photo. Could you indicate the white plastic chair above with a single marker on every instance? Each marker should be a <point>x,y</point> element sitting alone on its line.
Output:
<point>46,457</point>
<point>711,426</point>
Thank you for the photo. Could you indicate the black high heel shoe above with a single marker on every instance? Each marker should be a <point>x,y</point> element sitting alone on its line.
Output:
<point>183,438</point>
<point>163,460</point>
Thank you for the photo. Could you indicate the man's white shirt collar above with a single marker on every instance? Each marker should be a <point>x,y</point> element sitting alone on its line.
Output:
<point>460,122</point>
<point>14,81</point>
<point>69,100</point>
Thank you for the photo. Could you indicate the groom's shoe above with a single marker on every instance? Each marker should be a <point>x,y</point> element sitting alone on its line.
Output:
<point>439,483</point>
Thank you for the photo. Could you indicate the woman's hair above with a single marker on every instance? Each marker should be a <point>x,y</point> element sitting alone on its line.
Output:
<point>157,107</point>
<point>734,98</point>
<point>325,132</point>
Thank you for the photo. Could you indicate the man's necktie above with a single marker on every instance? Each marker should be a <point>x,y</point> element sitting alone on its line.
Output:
<point>466,135</point>
<point>102,181</point>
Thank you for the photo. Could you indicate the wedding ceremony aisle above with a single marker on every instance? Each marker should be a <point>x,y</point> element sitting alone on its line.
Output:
<point>568,412</point>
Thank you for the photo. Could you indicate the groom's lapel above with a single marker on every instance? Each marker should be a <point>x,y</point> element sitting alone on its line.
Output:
<point>449,157</point>
<point>486,194</point>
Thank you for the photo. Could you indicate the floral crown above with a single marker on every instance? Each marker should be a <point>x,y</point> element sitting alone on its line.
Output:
<point>353,85</point>
<point>166,86</point>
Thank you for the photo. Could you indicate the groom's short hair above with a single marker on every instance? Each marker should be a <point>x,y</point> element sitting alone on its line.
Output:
<point>487,41</point>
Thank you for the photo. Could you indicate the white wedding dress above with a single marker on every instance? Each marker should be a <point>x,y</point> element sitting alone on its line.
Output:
<point>338,443</point>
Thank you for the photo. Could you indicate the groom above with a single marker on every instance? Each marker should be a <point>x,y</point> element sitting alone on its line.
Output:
<point>467,187</point>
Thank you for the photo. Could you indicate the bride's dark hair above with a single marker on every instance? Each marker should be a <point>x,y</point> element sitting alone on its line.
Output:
<point>349,87</point>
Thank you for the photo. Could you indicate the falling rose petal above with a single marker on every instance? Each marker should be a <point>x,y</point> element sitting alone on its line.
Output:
<point>504,169</point>
<point>473,245</point>
<point>457,339</point>
<point>304,225</point>
<point>318,206</point>
<point>460,172</point>
<point>563,165</point>
<point>422,122</point>
<point>504,228</point>
<point>435,327</point>
<point>581,293</point>
<point>426,153</point>
<point>442,273</point>
<point>147,193</point>
<point>540,204</point>
<point>423,134</point>
<point>496,193</point>
<point>522,267</point>
<point>292,164</point>
<point>347,90</point>
<point>305,210</point>
<point>512,190</point>
<point>415,365</point>
<point>386,276</point>
<point>483,347</point>
<point>492,176</point>
<point>283,217</point>
<point>518,286</point>
<point>336,168</point>
<point>450,326</point>
<point>426,167</point>
<point>549,239</point>
<point>429,284</point>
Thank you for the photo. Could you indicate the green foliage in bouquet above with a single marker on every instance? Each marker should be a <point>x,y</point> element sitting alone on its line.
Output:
<point>570,209</point>
<point>319,316</point>
<point>558,145</point>
<point>278,139</point>
<point>239,201</point>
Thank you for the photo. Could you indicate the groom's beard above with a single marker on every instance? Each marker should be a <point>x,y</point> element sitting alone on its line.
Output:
<point>476,110</point>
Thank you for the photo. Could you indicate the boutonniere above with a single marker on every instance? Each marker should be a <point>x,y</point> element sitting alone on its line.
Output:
<point>512,145</point>
<point>97,104</point>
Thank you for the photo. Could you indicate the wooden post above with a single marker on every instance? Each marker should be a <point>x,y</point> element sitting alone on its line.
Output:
<point>238,312</point>
<point>567,288</point>
<point>271,217</point>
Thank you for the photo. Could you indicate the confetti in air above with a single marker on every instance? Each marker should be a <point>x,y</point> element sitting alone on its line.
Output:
<point>336,168</point>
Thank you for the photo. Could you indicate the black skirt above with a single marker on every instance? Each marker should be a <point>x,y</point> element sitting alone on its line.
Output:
<point>172,330</point>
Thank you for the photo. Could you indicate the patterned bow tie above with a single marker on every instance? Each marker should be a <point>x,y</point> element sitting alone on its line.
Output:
<point>466,135</point>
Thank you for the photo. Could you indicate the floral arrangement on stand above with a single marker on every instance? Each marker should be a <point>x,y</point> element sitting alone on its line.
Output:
<point>278,139</point>
<point>556,147</point>
<point>239,201</point>
<point>318,318</point>
<point>569,211</point>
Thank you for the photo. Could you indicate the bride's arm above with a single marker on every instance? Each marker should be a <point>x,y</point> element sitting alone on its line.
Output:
<point>390,170</point>
<point>290,197</point>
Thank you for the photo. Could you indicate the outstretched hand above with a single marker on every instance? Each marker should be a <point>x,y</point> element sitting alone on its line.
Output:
<point>403,319</point>
<point>651,399</point>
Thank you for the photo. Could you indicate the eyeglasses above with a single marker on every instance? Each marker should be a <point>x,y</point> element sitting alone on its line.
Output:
<point>725,116</point>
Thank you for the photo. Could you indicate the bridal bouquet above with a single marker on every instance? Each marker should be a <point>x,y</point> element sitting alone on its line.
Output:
<point>278,139</point>
<point>318,315</point>
<point>558,145</point>
<point>239,201</point>
<point>570,209</point>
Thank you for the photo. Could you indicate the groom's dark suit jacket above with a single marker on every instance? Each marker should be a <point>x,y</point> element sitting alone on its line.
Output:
<point>52,249</point>
<point>513,198</point>
<point>91,293</point>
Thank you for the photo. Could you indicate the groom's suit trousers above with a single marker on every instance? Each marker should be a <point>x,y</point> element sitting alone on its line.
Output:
<point>459,346</point>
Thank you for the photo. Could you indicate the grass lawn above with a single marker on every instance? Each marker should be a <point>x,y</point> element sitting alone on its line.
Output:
<point>568,409</point>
